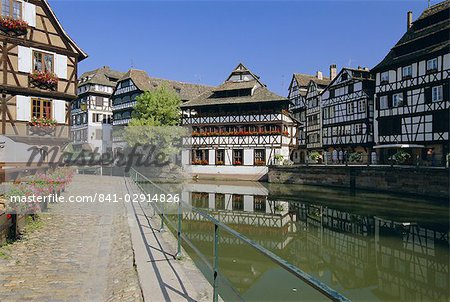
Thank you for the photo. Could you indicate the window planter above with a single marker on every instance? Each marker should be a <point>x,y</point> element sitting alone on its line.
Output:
<point>13,27</point>
<point>42,126</point>
<point>43,80</point>
<point>200,162</point>
<point>260,163</point>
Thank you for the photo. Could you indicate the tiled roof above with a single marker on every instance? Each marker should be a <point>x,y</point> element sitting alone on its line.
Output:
<point>144,82</point>
<point>304,79</point>
<point>236,85</point>
<point>430,31</point>
<point>261,94</point>
<point>102,76</point>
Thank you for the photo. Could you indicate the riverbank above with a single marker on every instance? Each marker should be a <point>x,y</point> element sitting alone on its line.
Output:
<point>430,182</point>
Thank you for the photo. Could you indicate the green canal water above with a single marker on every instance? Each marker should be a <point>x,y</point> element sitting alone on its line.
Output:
<point>367,246</point>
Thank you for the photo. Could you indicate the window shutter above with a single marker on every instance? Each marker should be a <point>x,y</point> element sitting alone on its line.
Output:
<point>445,91</point>
<point>59,111</point>
<point>61,66</point>
<point>428,95</point>
<point>29,13</point>
<point>23,108</point>
<point>24,59</point>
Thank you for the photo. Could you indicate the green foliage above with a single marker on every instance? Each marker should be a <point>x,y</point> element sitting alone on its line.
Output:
<point>400,157</point>
<point>315,156</point>
<point>159,107</point>
<point>278,157</point>
<point>355,157</point>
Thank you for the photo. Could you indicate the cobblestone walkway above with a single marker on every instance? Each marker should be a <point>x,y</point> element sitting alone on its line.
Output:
<point>82,253</point>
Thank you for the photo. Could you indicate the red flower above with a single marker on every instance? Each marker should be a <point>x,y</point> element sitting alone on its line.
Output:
<point>13,24</point>
<point>44,77</point>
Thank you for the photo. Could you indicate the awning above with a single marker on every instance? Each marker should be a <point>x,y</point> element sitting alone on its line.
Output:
<point>401,146</point>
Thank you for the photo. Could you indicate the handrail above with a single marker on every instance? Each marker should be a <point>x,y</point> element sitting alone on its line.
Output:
<point>308,279</point>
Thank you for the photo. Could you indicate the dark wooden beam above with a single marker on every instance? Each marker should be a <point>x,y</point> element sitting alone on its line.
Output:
<point>37,93</point>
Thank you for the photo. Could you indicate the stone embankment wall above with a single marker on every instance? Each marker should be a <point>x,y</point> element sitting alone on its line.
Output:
<point>411,180</point>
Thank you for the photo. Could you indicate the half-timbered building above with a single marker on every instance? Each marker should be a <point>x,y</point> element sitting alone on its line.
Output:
<point>298,93</point>
<point>135,82</point>
<point>412,89</point>
<point>38,79</point>
<point>238,128</point>
<point>91,119</point>
<point>347,113</point>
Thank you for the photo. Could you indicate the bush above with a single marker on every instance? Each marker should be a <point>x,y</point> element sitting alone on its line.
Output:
<point>315,156</point>
<point>355,157</point>
<point>400,157</point>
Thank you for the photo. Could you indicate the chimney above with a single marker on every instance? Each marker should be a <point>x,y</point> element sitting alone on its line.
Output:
<point>319,75</point>
<point>409,20</point>
<point>333,71</point>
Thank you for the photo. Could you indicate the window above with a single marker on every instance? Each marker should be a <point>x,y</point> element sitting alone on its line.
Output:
<point>260,157</point>
<point>331,113</point>
<point>436,93</point>
<point>238,157</point>
<point>362,106</point>
<point>98,101</point>
<point>332,94</point>
<point>325,113</point>
<point>397,100</point>
<point>41,108</point>
<point>42,62</point>
<point>350,108</point>
<point>384,77</point>
<point>238,202</point>
<point>358,129</point>
<point>432,64</point>
<point>384,102</point>
<point>11,8</point>
<point>259,204</point>
<point>200,157</point>
<point>344,77</point>
<point>407,71</point>
<point>220,201</point>
<point>220,157</point>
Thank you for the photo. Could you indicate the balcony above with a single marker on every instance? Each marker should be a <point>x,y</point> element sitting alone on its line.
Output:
<point>233,119</point>
<point>123,106</point>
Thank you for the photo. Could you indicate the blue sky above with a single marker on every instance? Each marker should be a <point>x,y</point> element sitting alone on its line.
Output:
<point>201,42</point>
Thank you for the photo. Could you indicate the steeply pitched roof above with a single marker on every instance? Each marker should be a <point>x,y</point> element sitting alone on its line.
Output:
<point>144,82</point>
<point>429,34</point>
<point>102,76</point>
<point>82,55</point>
<point>304,79</point>
<point>259,94</point>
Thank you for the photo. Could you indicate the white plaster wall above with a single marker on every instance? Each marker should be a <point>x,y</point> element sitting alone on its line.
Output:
<point>248,157</point>
<point>212,157</point>
<point>248,203</point>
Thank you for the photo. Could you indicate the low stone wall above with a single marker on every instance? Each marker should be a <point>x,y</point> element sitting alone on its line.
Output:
<point>411,180</point>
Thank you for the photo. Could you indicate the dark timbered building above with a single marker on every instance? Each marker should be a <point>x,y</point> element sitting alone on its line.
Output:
<point>91,112</point>
<point>347,113</point>
<point>38,79</point>
<point>298,96</point>
<point>238,128</point>
<point>412,90</point>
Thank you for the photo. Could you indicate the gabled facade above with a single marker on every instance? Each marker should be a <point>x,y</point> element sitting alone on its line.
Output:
<point>91,112</point>
<point>412,89</point>
<point>302,90</point>
<point>347,112</point>
<point>314,116</point>
<point>238,128</point>
<point>38,79</point>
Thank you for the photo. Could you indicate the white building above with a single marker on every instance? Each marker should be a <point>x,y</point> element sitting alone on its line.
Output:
<point>238,128</point>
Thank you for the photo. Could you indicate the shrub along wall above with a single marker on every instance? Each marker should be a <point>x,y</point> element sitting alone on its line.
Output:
<point>412,180</point>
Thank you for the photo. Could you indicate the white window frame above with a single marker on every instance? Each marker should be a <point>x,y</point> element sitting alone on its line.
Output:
<point>432,64</point>
<point>407,71</point>
<point>397,100</point>
<point>437,93</point>
<point>384,102</point>
<point>384,77</point>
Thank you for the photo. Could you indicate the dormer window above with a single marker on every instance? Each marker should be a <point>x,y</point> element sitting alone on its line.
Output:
<point>11,8</point>
<point>344,77</point>
<point>384,78</point>
<point>432,65</point>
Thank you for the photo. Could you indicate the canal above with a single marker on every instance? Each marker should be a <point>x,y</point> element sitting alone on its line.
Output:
<point>367,246</point>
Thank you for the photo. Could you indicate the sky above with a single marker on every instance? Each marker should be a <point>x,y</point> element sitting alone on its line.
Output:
<point>202,41</point>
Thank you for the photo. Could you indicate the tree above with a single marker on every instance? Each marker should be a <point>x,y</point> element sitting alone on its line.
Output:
<point>159,107</point>
<point>155,122</point>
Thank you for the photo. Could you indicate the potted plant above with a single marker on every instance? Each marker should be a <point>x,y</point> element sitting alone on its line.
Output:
<point>260,162</point>
<point>278,159</point>
<point>315,156</point>
<point>237,163</point>
<point>13,26</point>
<point>44,80</point>
<point>355,157</point>
<point>400,157</point>
<point>42,125</point>
<point>219,163</point>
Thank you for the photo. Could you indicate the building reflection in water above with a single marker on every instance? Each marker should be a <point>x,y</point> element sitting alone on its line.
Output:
<point>363,256</point>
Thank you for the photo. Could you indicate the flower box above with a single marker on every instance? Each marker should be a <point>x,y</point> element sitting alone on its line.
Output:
<point>237,163</point>
<point>260,163</point>
<point>42,126</point>
<point>44,80</point>
<point>219,163</point>
<point>13,27</point>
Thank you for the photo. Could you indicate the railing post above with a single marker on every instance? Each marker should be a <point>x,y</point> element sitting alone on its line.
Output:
<point>216,264</point>
<point>179,253</point>
<point>161,229</point>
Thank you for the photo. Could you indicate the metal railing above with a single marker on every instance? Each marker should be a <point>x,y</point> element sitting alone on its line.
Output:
<point>321,287</point>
